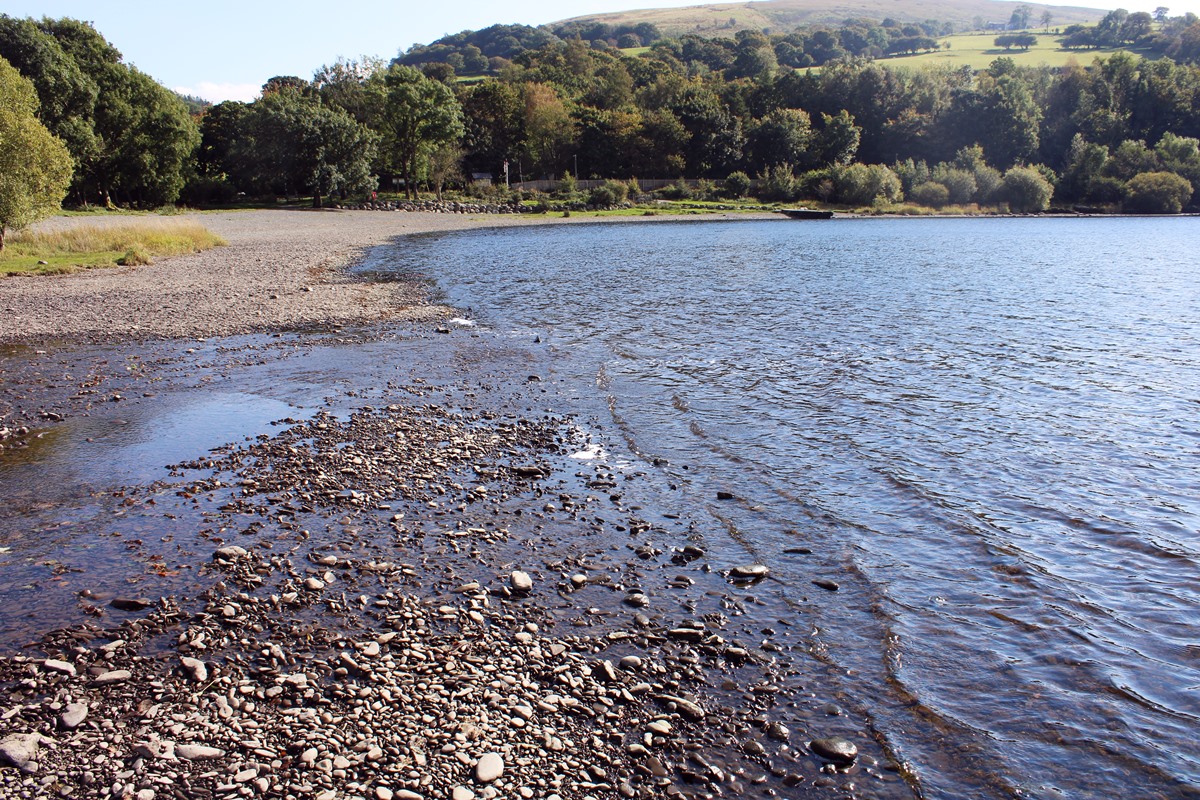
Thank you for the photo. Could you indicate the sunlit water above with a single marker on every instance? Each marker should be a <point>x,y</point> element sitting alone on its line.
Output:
<point>985,430</point>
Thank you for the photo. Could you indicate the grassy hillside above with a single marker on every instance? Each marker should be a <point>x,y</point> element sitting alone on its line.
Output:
<point>783,15</point>
<point>977,50</point>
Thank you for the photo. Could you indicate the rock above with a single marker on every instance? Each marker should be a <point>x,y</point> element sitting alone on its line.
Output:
<point>55,665</point>
<point>195,668</point>
<point>20,750</point>
<point>197,752</point>
<point>401,794</point>
<point>489,767</point>
<point>520,582</point>
<point>826,584</point>
<point>689,708</point>
<point>131,603</point>
<point>750,572</point>
<point>835,749</point>
<point>231,553</point>
<point>726,495</point>
<point>383,793</point>
<point>660,727</point>
<point>637,600</point>
<point>313,584</point>
<point>157,749</point>
<point>462,793</point>
<point>245,776</point>
<point>779,731</point>
<point>112,676</point>
<point>73,715</point>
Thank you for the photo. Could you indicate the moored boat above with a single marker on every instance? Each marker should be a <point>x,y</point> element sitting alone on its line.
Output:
<point>806,213</point>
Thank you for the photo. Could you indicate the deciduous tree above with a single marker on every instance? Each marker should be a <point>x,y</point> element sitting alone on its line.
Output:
<point>35,167</point>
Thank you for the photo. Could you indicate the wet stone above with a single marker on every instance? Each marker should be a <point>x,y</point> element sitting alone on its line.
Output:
<point>835,749</point>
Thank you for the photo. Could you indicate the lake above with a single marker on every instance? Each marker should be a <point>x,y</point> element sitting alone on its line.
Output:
<point>985,433</point>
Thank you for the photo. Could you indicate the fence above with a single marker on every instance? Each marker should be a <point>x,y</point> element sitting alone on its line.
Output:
<point>644,185</point>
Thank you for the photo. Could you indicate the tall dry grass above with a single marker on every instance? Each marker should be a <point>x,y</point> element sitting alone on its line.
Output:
<point>159,237</point>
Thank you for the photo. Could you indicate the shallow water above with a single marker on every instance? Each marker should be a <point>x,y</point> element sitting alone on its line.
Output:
<point>984,430</point>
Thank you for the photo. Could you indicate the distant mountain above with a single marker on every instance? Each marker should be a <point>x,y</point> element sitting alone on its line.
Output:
<point>781,16</point>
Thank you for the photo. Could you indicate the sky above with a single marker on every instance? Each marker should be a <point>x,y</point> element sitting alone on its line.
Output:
<point>227,49</point>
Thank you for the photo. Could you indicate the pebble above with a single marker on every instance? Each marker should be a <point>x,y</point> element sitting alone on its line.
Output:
<point>195,668</point>
<point>112,676</point>
<point>197,752</point>
<point>313,584</point>
<point>750,571</point>
<point>826,584</point>
<point>462,793</point>
<point>55,665</point>
<point>73,715</point>
<point>520,581</point>
<point>835,749</point>
<point>489,767</point>
<point>20,750</point>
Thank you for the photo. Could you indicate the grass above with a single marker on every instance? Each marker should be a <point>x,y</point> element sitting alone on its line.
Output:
<point>89,246</point>
<point>978,50</point>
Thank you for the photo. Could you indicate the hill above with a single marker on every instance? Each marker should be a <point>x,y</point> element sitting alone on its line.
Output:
<point>780,16</point>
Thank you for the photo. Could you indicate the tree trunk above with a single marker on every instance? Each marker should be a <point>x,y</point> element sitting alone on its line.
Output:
<point>1,238</point>
<point>316,200</point>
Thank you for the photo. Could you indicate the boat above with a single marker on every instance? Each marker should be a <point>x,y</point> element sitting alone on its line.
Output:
<point>806,213</point>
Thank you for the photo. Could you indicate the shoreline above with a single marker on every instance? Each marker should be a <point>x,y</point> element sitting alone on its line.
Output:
<point>402,590</point>
<point>281,270</point>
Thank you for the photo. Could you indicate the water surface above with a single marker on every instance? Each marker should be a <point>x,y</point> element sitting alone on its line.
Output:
<point>984,430</point>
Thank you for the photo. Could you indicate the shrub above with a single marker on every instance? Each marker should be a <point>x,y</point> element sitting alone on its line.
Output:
<point>1026,190</point>
<point>960,184</point>
<point>568,187</point>
<point>777,184</point>
<point>1157,193</point>
<point>679,190</point>
<point>134,257</point>
<point>864,185</point>
<point>609,193</point>
<point>737,184</point>
<point>931,194</point>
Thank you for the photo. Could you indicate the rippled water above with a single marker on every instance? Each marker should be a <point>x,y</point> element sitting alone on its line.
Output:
<point>985,430</point>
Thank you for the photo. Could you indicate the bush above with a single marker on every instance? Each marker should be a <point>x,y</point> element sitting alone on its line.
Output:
<point>568,187</point>
<point>1025,190</point>
<point>960,184</point>
<point>679,190</point>
<point>777,184</point>
<point>609,193</point>
<point>134,257</point>
<point>737,184</point>
<point>1157,193</point>
<point>865,185</point>
<point>204,190</point>
<point>933,195</point>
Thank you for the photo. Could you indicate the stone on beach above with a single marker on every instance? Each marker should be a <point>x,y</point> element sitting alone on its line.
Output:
<point>489,767</point>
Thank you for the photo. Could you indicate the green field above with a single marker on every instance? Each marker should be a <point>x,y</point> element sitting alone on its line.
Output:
<point>978,50</point>
<point>781,16</point>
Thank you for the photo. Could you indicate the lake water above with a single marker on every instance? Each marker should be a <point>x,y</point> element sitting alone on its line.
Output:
<point>987,432</point>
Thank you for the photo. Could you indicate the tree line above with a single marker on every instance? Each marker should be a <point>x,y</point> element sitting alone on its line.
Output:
<point>855,131</point>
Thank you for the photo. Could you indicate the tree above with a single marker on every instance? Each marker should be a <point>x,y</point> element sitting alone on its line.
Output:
<point>419,116</point>
<point>549,129</point>
<point>838,139</point>
<point>1020,17</point>
<point>864,185</point>
<point>1157,193</point>
<point>1026,190</point>
<point>67,95</point>
<point>781,137</point>
<point>35,167</point>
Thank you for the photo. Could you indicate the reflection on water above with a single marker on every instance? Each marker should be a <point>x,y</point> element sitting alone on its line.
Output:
<point>985,431</point>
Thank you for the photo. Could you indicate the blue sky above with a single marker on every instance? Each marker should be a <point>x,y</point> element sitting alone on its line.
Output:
<point>222,49</point>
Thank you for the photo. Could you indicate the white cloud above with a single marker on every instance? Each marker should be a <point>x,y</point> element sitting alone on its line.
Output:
<point>216,92</point>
